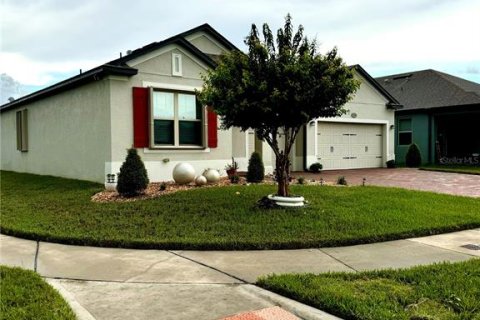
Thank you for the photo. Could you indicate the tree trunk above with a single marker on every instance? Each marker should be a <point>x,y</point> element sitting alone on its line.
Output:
<point>282,174</point>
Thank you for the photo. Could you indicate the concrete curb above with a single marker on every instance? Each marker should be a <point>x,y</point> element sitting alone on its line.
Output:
<point>78,309</point>
<point>299,309</point>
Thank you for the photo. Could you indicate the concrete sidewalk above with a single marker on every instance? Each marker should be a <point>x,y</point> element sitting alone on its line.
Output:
<point>109,283</point>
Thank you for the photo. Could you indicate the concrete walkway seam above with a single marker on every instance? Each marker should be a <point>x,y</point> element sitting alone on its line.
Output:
<point>208,266</point>
<point>299,309</point>
<point>338,260</point>
<point>36,256</point>
<point>449,249</point>
<point>81,312</point>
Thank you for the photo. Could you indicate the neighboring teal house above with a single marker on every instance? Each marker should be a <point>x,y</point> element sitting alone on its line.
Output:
<point>441,114</point>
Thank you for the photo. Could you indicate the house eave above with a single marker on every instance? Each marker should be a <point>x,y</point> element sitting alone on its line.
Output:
<point>95,74</point>
<point>394,106</point>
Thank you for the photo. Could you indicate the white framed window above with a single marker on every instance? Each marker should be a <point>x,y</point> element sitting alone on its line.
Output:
<point>176,64</point>
<point>177,120</point>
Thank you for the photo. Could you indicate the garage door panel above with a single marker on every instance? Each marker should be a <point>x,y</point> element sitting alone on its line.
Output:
<point>348,146</point>
<point>357,150</point>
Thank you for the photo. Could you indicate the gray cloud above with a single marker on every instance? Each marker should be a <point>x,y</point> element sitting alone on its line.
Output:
<point>50,32</point>
<point>473,70</point>
<point>54,29</point>
<point>10,88</point>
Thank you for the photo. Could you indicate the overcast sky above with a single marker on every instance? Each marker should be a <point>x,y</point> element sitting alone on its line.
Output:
<point>45,41</point>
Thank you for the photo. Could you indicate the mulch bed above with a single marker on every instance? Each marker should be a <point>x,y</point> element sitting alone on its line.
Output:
<point>154,189</point>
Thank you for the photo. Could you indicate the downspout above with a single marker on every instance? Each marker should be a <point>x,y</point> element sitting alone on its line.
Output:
<point>305,148</point>
<point>430,138</point>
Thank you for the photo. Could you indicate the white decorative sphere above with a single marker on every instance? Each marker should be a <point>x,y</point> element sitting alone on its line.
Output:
<point>200,181</point>
<point>212,175</point>
<point>183,173</point>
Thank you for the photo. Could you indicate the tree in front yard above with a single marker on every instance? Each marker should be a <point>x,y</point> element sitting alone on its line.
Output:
<point>413,158</point>
<point>277,88</point>
<point>133,178</point>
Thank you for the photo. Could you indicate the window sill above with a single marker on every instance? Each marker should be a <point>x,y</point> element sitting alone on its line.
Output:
<point>176,150</point>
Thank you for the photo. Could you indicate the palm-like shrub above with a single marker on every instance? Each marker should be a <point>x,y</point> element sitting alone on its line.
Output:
<point>133,178</point>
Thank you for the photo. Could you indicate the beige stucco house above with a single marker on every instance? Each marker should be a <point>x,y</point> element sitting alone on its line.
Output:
<point>81,127</point>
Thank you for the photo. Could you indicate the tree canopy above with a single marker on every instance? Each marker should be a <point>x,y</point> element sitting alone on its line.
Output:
<point>278,87</point>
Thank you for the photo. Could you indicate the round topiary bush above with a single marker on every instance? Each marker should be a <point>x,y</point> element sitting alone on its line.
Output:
<point>256,170</point>
<point>133,178</point>
<point>413,158</point>
<point>391,164</point>
<point>316,167</point>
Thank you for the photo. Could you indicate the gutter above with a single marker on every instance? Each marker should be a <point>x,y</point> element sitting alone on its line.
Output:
<point>86,77</point>
<point>394,106</point>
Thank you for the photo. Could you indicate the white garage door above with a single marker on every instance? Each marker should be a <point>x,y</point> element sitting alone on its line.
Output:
<point>349,146</point>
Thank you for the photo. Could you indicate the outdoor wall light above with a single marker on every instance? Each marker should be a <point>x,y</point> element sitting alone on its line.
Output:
<point>392,126</point>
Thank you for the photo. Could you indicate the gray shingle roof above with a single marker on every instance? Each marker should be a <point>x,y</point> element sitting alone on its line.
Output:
<point>430,89</point>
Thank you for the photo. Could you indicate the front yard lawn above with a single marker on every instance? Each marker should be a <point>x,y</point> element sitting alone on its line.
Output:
<point>60,210</point>
<point>26,296</point>
<point>441,291</point>
<point>452,168</point>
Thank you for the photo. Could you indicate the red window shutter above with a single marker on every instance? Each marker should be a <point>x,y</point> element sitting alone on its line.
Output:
<point>212,128</point>
<point>140,117</point>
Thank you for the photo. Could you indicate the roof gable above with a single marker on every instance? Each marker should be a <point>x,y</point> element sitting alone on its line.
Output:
<point>180,39</point>
<point>152,47</point>
<point>392,102</point>
<point>206,28</point>
<point>159,62</point>
<point>206,44</point>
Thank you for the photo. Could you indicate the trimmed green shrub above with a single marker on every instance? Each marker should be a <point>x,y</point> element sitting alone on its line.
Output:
<point>301,180</point>
<point>316,167</point>
<point>413,158</point>
<point>391,164</point>
<point>133,178</point>
<point>235,178</point>
<point>342,181</point>
<point>256,170</point>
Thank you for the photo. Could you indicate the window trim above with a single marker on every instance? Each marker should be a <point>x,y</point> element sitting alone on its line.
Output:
<point>176,124</point>
<point>174,59</point>
<point>21,126</point>
<point>405,131</point>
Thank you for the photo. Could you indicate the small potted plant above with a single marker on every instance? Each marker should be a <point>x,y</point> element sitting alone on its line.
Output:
<point>232,168</point>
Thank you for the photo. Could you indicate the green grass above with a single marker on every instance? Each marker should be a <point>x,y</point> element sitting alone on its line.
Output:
<point>454,169</point>
<point>25,295</point>
<point>59,210</point>
<point>441,291</point>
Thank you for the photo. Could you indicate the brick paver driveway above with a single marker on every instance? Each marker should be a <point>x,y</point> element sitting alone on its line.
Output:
<point>443,182</point>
